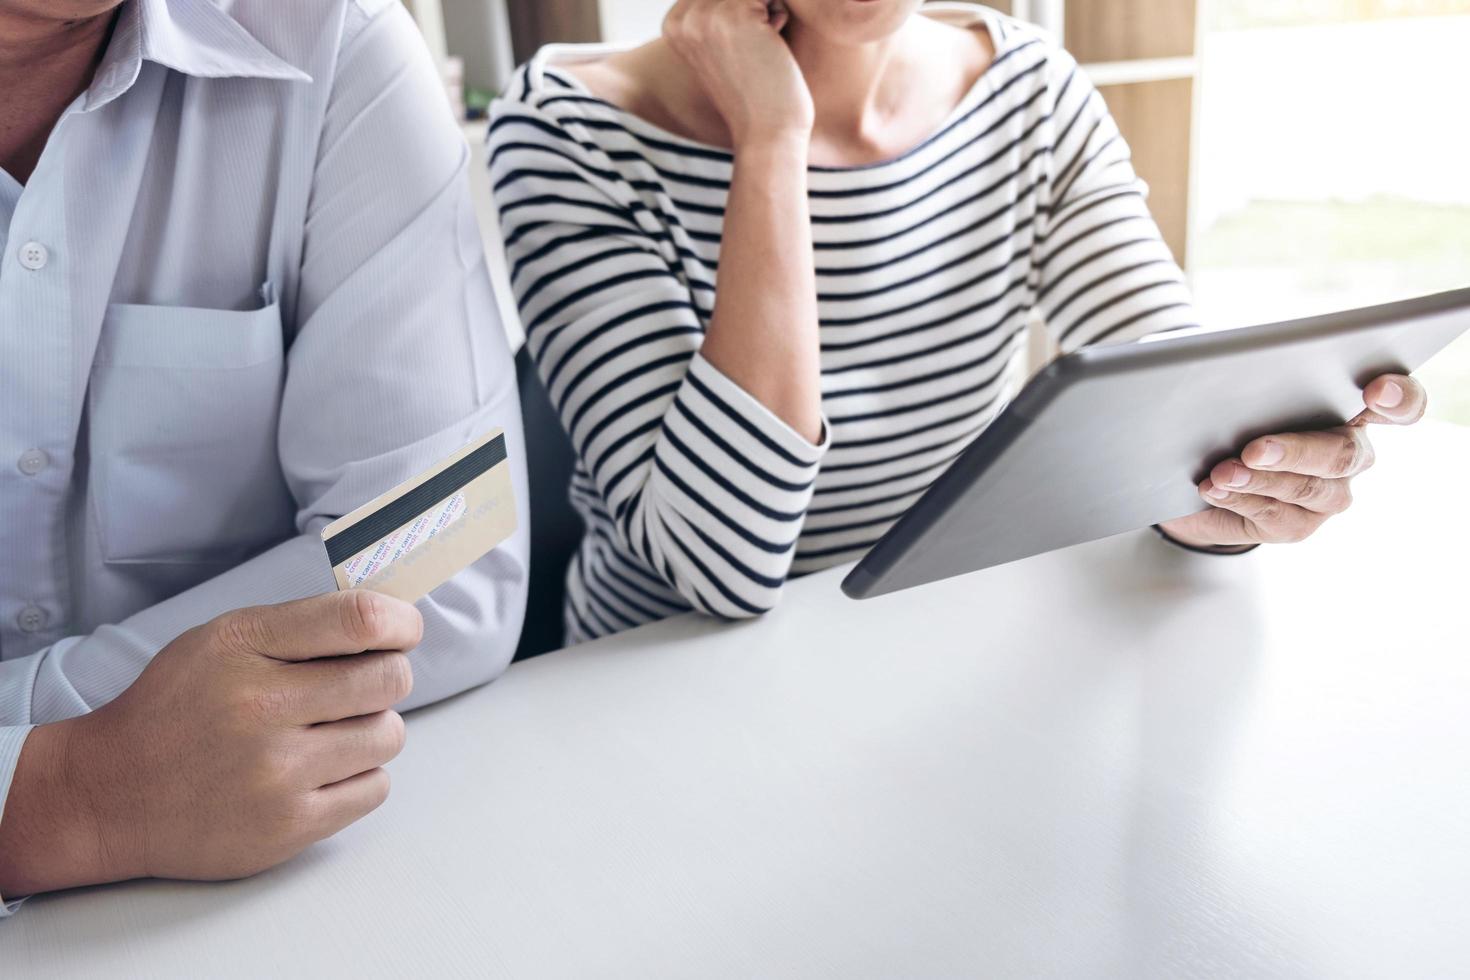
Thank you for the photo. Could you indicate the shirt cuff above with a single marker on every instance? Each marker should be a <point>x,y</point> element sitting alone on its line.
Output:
<point>1223,551</point>
<point>12,739</point>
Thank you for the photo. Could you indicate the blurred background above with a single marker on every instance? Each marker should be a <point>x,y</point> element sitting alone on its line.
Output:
<point>1304,155</point>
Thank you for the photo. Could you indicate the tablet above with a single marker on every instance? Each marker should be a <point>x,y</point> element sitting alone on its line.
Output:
<point>1113,439</point>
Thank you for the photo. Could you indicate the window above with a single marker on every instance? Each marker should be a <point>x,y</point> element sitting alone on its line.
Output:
<point>1332,165</point>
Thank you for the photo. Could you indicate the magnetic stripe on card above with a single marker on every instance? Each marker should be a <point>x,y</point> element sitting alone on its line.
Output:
<point>349,541</point>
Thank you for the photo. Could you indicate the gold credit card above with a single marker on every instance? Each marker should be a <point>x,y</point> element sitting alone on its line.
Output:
<point>418,535</point>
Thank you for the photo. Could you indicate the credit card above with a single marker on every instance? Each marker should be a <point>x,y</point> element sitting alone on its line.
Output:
<point>417,536</point>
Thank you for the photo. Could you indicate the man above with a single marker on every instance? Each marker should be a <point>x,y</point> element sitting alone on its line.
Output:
<point>241,293</point>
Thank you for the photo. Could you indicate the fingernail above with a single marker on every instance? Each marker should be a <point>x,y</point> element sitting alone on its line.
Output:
<point>1270,453</point>
<point>1215,493</point>
<point>1392,395</point>
<point>1239,476</point>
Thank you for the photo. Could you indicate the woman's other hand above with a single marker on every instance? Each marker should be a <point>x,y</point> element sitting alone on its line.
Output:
<point>735,49</point>
<point>1282,488</point>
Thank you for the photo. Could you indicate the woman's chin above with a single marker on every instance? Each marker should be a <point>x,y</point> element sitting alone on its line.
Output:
<point>853,21</point>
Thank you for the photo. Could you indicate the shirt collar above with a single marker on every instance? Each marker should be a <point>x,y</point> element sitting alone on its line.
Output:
<point>193,37</point>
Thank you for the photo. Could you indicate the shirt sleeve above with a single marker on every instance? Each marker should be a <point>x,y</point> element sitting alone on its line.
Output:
<point>1101,270</point>
<point>398,359</point>
<point>704,484</point>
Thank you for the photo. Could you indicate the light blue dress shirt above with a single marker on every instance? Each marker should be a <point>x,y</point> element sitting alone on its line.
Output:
<point>242,294</point>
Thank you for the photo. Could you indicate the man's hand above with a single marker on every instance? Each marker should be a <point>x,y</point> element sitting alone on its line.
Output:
<point>242,742</point>
<point>1282,488</point>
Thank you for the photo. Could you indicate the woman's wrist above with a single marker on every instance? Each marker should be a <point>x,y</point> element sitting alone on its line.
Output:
<point>780,146</point>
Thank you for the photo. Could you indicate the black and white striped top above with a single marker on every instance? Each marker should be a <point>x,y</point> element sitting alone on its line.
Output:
<point>929,266</point>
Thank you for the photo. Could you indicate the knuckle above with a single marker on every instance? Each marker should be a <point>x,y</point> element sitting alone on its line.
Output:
<point>1271,512</point>
<point>297,816</point>
<point>394,734</point>
<point>206,636</point>
<point>276,770</point>
<point>397,676</point>
<point>1347,455</point>
<point>362,617</point>
<point>242,631</point>
<point>269,778</point>
<point>1306,489</point>
<point>283,815</point>
<point>1368,456</point>
<point>378,788</point>
<point>262,705</point>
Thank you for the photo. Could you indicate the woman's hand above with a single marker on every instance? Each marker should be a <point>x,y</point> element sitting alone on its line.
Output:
<point>735,49</point>
<point>1282,488</point>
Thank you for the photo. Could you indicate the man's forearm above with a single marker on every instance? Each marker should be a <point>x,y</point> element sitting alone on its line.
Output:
<point>764,331</point>
<point>56,831</point>
<point>51,821</point>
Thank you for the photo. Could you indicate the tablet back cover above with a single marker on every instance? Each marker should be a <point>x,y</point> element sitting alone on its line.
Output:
<point>1113,439</point>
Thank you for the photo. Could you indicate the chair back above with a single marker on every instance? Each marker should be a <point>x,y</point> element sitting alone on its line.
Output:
<point>556,528</point>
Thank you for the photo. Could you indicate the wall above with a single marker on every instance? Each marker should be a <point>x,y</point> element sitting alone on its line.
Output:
<point>631,21</point>
<point>1337,122</point>
<point>537,22</point>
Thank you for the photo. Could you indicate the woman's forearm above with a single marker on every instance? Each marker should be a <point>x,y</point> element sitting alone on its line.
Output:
<point>764,331</point>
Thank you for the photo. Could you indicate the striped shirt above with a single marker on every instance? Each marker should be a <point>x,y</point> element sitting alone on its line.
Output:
<point>929,267</point>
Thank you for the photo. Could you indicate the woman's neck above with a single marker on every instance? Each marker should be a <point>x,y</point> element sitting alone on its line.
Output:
<point>854,87</point>
<point>872,101</point>
<point>875,101</point>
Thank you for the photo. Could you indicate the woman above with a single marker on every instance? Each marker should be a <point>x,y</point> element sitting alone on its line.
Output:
<point>776,269</point>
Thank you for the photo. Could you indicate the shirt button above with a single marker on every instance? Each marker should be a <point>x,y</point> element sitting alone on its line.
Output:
<point>31,619</point>
<point>33,256</point>
<point>32,461</point>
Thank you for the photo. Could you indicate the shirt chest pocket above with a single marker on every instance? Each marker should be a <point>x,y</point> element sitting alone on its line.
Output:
<point>183,407</point>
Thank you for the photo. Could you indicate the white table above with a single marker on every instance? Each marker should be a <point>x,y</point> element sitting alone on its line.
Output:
<point>1119,760</point>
